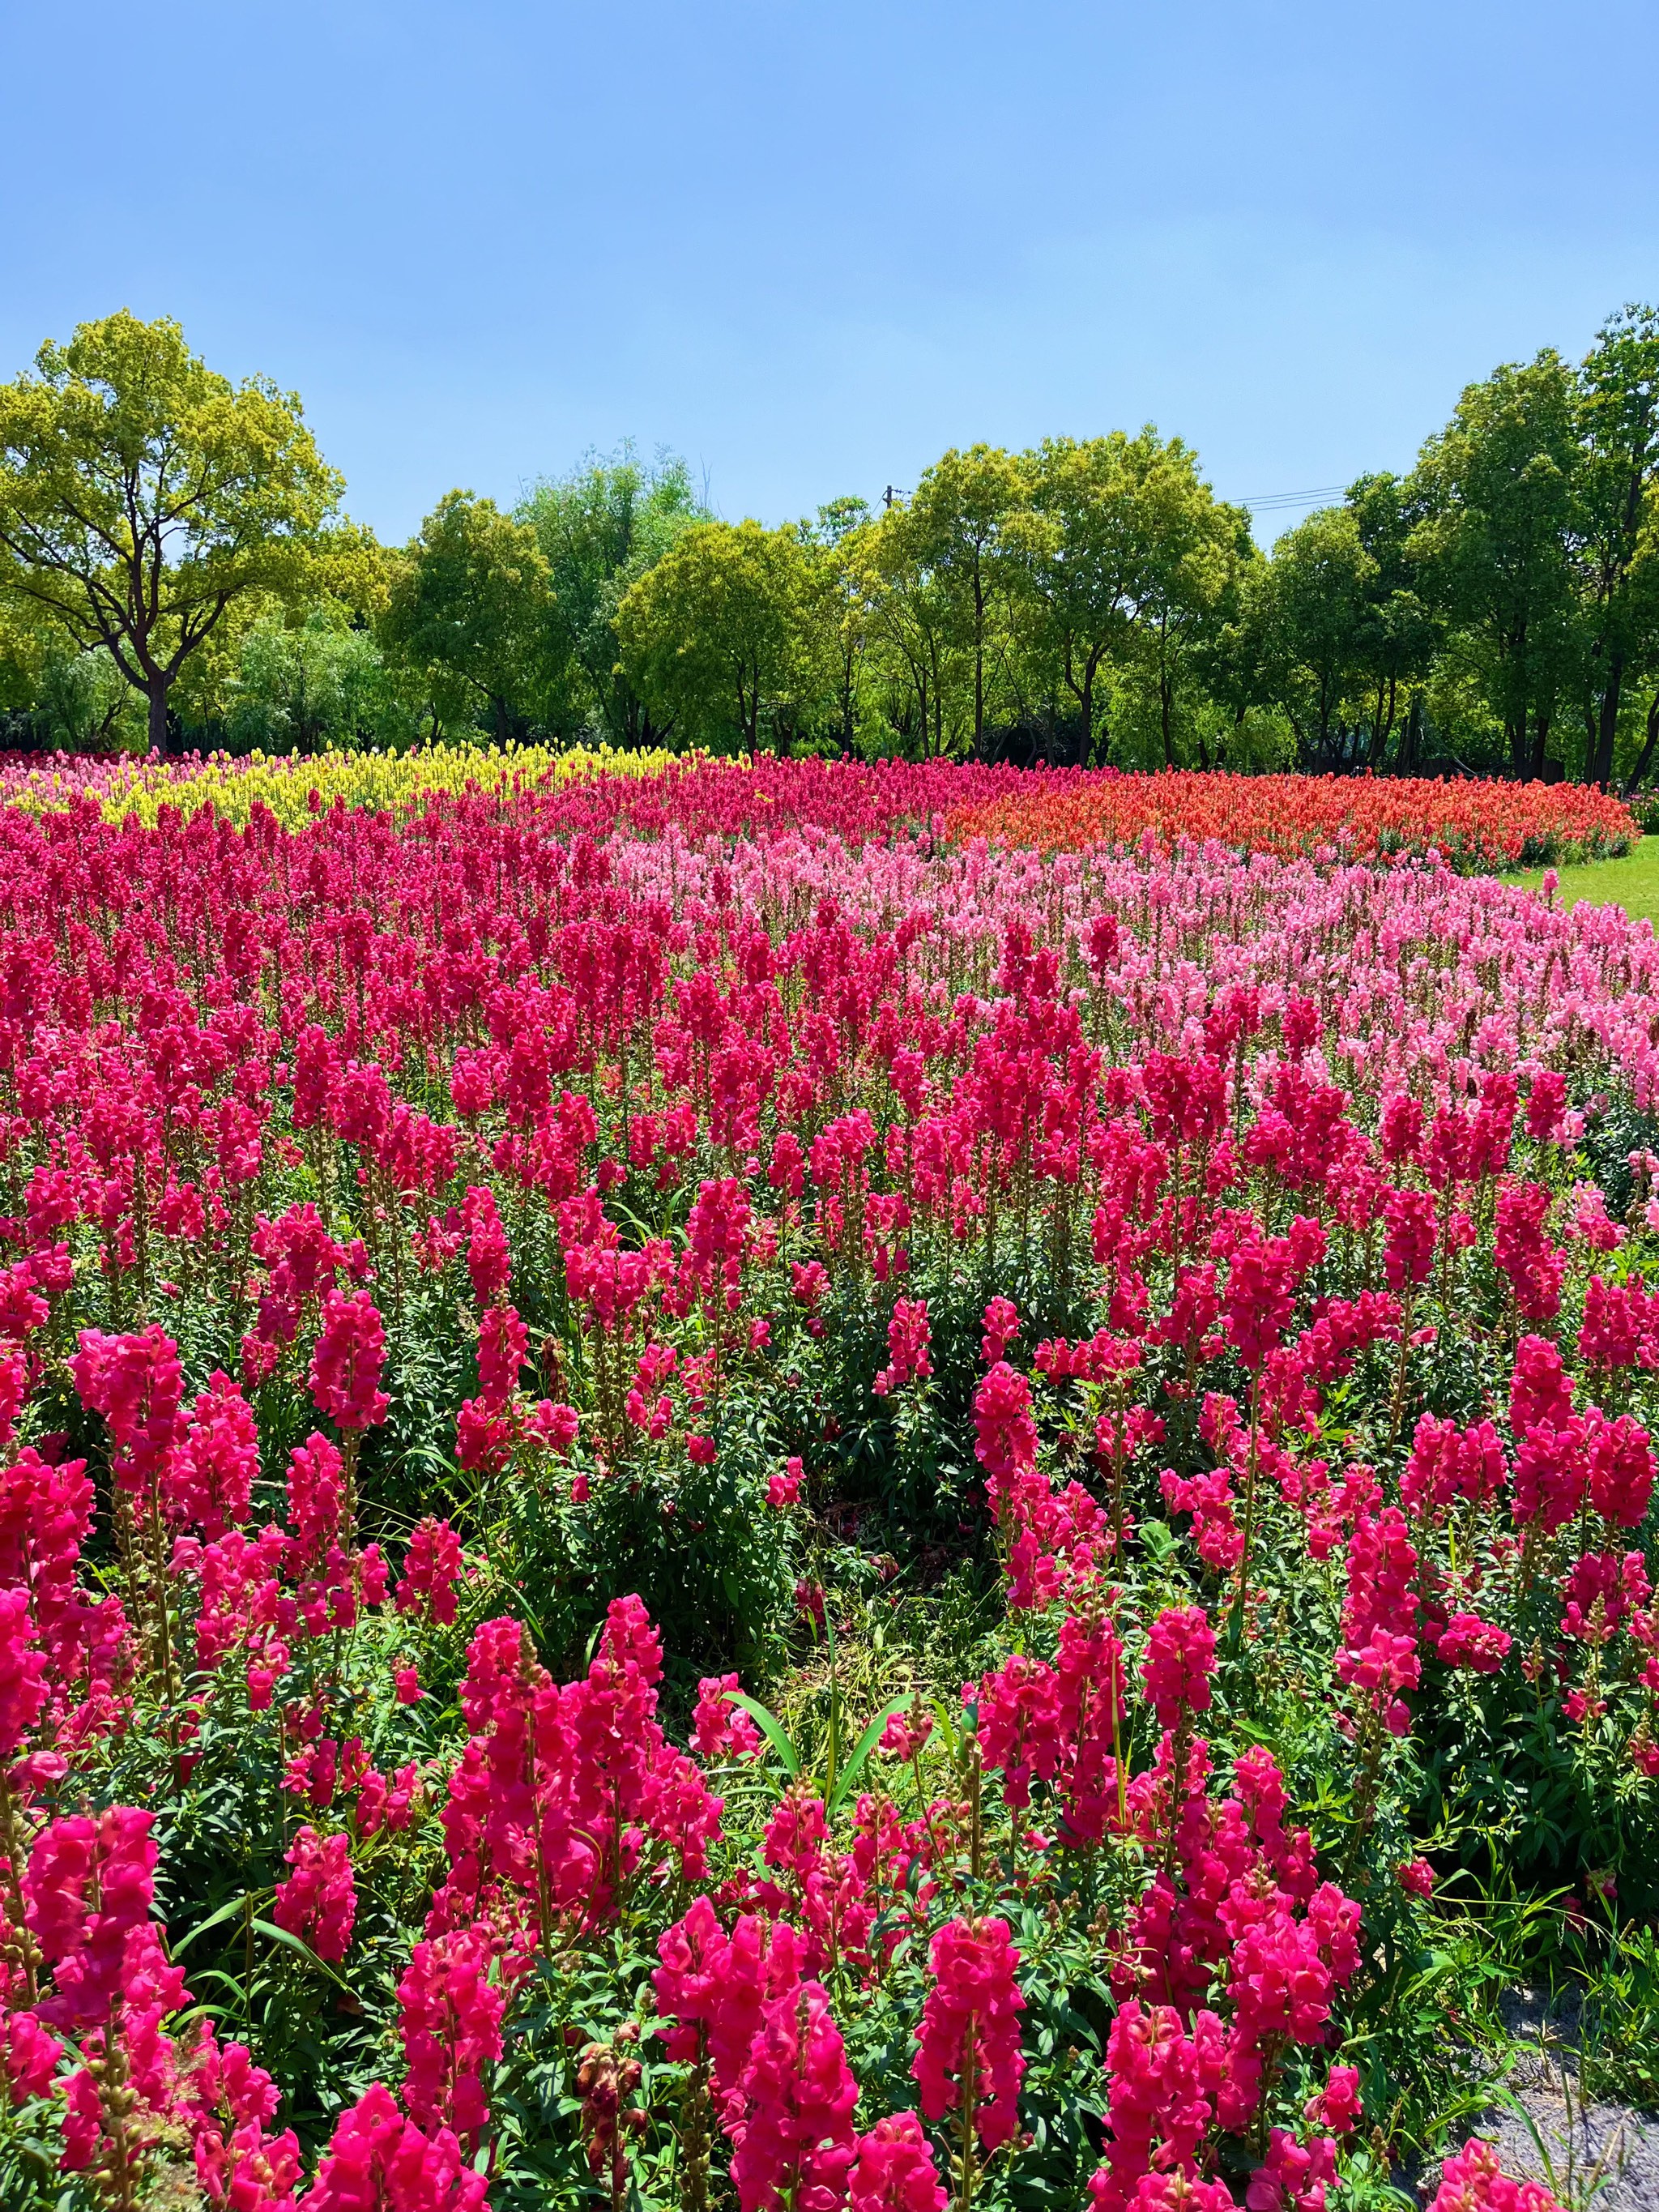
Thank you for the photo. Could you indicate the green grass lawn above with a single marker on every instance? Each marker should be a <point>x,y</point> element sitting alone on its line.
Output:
<point>1632,882</point>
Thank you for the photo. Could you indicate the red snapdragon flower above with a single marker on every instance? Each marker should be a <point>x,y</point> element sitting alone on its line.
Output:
<point>968,2046</point>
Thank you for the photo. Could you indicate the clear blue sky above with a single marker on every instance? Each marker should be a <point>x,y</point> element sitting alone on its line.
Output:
<point>812,246</point>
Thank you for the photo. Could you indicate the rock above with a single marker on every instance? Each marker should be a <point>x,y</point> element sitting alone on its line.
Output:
<point>1597,2157</point>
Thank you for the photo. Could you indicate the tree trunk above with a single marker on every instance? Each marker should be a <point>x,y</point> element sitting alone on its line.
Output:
<point>160,739</point>
<point>1411,741</point>
<point>1517,742</point>
<point>1607,726</point>
<point>1607,722</point>
<point>1387,706</point>
<point>979,664</point>
<point>1650,745</point>
<point>1588,775</point>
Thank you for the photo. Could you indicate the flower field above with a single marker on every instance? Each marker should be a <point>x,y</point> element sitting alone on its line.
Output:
<point>1477,826</point>
<point>720,1492</point>
<point>295,786</point>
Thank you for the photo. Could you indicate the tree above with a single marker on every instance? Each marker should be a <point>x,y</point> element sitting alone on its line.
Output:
<point>911,621</point>
<point>1620,485</point>
<point>837,518</point>
<point>351,573</point>
<point>141,494</point>
<point>307,687</point>
<point>1395,634</point>
<point>1639,628</point>
<point>1241,665</point>
<point>472,607</point>
<point>1088,555</point>
<point>1321,584</point>
<point>959,533</point>
<point>838,611</point>
<point>1201,544</point>
<point>86,704</point>
<point>1499,491</point>
<point>1129,557</point>
<point>54,695</point>
<point>714,636</point>
<point>23,643</point>
<point>599,529</point>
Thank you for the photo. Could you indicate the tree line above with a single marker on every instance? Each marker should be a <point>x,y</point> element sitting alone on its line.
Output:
<point>176,569</point>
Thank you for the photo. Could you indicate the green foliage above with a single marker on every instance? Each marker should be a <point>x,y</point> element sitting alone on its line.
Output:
<point>1617,1986</point>
<point>714,636</point>
<point>141,494</point>
<point>1126,551</point>
<point>470,611</point>
<point>84,703</point>
<point>1494,610</point>
<point>600,530</point>
<point>1498,485</point>
<point>917,694</point>
<point>1321,584</point>
<point>318,685</point>
<point>960,533</point>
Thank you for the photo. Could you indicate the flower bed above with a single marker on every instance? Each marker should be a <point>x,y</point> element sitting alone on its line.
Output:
<point>1479,826</point>
<point>534,1368</point>
<point>593,791</point>
<point>294,786</point>
<point>584,790</point>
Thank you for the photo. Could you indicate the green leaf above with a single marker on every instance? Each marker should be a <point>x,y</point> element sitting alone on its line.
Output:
<point>773,1730</point>
<point>298,1944</point>
<point>238,1905</point>
<point>1158,1539</point>
<point>861,1750</point>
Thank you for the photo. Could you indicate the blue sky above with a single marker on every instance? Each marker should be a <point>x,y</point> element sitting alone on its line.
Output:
<point>810,246</point>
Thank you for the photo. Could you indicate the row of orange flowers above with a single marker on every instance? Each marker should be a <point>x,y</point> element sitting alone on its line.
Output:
<point>1478,826</point>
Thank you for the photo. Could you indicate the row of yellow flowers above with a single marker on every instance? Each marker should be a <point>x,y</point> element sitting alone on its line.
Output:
<point>294,786</point>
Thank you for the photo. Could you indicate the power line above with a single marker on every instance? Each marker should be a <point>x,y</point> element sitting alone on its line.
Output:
<point>1272,499</point>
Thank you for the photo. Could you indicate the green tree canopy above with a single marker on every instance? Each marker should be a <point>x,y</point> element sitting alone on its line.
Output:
<point>599,529</point>
<point>1395,634</point>
<point>1499,492</point>
<point>310,686</point>
<point>1201,544</point>
<point>715,635</point>
<point>1323,582</point>
<point>141,494</point>
<point>922,670</point>
<point>1619,512</point>
<point>54,693</point>
<point>471,606</point>
<point>838,604</point>
<point>958,536</point>
<point>1092,548</point>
